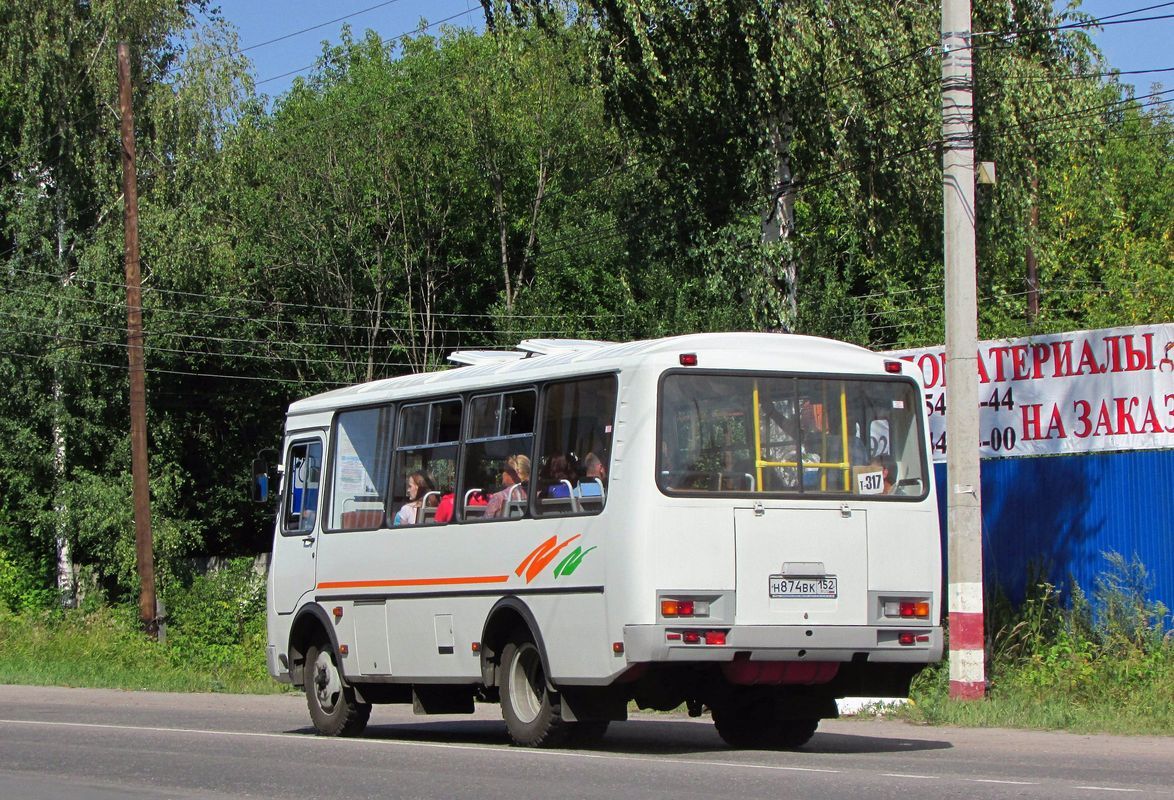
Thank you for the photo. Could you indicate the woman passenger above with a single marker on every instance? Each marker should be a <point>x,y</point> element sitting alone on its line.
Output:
<point>418,486</point>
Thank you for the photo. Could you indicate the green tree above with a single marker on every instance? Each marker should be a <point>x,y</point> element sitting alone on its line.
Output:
<point>64,417</point>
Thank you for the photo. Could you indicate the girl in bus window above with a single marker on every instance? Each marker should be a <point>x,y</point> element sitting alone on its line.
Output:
<point>418,486</point>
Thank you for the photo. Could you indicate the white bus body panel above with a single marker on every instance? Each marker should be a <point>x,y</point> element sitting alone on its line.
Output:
<point>411,603</point>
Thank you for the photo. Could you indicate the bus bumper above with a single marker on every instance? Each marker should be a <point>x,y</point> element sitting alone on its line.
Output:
<point>653,643</point>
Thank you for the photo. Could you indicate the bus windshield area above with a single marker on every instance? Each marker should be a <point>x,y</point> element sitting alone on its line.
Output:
<point>776,434</point>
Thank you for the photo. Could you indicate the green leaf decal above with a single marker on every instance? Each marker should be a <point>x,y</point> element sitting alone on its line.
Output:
<point>571,562</point>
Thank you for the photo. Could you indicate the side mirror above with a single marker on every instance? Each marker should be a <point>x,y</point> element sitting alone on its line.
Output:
<point>259,487</point>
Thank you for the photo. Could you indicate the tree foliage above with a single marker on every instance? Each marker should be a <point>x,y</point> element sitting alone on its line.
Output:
<point>613,169</point>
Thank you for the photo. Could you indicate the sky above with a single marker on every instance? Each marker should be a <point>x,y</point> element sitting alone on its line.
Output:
<point>1144,45</point>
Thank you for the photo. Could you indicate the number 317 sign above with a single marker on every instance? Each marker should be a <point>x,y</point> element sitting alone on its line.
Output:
<point>1080,392</point>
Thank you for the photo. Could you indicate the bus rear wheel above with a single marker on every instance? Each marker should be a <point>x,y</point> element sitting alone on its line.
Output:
<point>532,710</point>
<point>332,703</point>
<point>759,727</point>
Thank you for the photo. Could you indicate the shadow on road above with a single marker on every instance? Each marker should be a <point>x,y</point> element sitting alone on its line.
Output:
<point>638,737</point>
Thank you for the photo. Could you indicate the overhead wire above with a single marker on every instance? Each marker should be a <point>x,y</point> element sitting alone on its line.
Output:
<point>823,178</point>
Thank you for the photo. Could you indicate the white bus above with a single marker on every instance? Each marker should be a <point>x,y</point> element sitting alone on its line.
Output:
<point>740,522</point>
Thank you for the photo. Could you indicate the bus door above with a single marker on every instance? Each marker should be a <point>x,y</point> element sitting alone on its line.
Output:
<point>296,544</point>
<point>796,565</point>
<point>801,566</point>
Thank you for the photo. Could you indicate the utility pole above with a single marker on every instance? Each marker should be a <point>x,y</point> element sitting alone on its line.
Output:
<point>144,551</point>
<point>1032,268</point>
<point>778,223</point>
<point>964,502</point>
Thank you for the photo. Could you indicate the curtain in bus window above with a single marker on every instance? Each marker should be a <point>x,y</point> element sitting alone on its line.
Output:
<point>577,427</point>
<point>361,466</point>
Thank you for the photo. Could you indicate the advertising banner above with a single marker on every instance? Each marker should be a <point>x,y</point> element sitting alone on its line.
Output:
<point>1080,392</point>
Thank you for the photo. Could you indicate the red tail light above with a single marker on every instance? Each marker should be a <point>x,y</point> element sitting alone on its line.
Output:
<point>691,637</point>
<point>715,637</point>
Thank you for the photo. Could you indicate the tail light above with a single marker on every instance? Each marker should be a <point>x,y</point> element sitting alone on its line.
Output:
<point>907,608</point>
<point>684,608</point>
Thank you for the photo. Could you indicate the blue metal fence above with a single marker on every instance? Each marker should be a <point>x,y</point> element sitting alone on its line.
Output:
<point>1060,514</point>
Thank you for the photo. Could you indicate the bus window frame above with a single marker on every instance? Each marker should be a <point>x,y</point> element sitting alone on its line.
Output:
<point>461,398</point>
<point>303,438</point>
<point>798,494</point>
<point>540,441</point>
<point>331,457</point>
<point>462,454</point>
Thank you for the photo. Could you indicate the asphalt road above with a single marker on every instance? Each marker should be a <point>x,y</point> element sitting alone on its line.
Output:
<point>87,744</point>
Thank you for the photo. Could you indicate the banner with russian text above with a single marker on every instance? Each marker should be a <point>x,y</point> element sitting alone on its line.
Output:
<point>1080,392</point>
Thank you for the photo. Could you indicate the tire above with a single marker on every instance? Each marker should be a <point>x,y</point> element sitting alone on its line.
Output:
<point>793,733</point>
<point>531,709</point>
<point>587,733</point>
<point>332,703</point>
<point>758,726</point>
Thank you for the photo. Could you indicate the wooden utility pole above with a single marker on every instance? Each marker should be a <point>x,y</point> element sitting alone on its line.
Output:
<point>964,501</point>
<point>144,550</point>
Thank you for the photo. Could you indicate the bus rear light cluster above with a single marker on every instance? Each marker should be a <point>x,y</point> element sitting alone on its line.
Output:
<point>907,609</point>
<point>716,638</point>
<point>684,608</point>
<point>908,638</point>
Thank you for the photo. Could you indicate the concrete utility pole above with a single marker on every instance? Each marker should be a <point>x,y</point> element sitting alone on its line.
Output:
<point>144,550</point>
<point>964,503</point>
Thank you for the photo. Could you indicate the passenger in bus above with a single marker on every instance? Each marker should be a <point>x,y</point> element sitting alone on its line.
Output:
<point>515,474</point>
<point>558,469</point>
<point>444,509</point>
<point>418,486</point>
<point>594,477</point>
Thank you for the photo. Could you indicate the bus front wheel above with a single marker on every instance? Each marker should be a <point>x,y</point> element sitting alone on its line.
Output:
<point>332,703</point>
<point>532,711</point>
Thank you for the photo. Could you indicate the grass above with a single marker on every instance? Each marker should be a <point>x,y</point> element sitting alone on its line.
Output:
<point>103,648</point>
<point>1052,665</point>
<point>1099,697</point>
<point>1061,665</point>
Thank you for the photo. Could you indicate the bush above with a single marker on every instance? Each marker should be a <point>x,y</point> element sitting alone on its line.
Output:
<point>217,620</point>
<point>20,592</point>
<point>1104,665</point>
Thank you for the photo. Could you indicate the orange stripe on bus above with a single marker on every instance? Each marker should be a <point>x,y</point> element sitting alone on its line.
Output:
<point>414,582</point>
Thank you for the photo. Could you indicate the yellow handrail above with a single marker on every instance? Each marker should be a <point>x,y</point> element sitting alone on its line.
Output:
<point>843,465</point>
<point>758,462</point>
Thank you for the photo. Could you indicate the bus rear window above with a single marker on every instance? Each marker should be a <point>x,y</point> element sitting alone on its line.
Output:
<point>772,434</point>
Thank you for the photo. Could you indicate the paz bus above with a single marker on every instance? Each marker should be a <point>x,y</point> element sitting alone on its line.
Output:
<point>740,523</point>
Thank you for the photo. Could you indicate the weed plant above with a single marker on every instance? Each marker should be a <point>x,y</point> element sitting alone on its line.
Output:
<point>1100,666</point>
<point>215,640</point>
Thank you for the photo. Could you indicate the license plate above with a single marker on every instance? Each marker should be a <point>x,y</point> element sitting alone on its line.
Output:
<point>825,586</point>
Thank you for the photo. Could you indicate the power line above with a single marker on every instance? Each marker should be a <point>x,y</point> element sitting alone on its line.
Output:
<point>392,41</point>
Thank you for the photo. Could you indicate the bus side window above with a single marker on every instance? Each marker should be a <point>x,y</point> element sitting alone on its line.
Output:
<point>499,445</point>
<point>360,466</point>
<point>577,425</point>
<point>303,473</point>
<point>426,458</point>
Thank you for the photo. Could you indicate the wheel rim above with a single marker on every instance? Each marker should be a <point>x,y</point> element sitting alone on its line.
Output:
<point>527,683</point>
<point>327,683</point>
